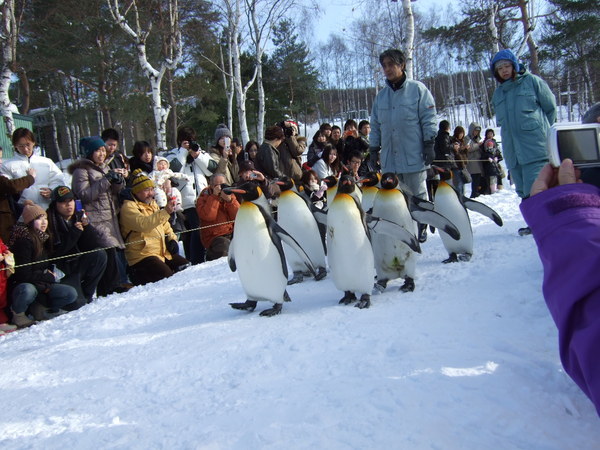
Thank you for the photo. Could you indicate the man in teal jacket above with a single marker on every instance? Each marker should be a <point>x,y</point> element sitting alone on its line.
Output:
<point>403,127</point>
<point>525,109</point>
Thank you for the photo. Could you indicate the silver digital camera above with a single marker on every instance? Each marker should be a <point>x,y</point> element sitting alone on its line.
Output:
<point>579,142</point>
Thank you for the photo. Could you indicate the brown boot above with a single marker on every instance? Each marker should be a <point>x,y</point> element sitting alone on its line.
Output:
<point>21,320</point>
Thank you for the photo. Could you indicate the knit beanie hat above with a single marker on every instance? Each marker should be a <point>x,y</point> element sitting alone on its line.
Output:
<point>89,145</point>
<point>31,211</point>
<point>140,181</point>
<point>62,194</point>
<point>221,131</point>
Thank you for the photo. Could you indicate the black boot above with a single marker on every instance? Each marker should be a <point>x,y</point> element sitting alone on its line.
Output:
<point>525,231</point>
<point>248,305</point>
<point>348,298</point>
<point>276,309</point>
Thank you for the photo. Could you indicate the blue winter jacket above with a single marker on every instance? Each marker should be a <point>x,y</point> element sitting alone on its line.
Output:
<point>525,109</point>
<point>401,121</point>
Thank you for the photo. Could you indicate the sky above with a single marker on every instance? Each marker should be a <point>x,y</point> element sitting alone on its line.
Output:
<point>338,14</point>
<point>469,360</point>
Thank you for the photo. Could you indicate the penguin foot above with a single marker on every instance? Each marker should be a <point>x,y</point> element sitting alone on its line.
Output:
<point>408,286</point>
<point>364,302</point>
<point>276,309</point>
<point>465,257</point>
<point>422,232</point>
<point>452,258</point>
<point>525,231</point>
<point>248,305</point>
<point>348,298</point>
<point>321,273</point>
<point>379,286</point>
<point>297,278</point>
<point>286,297</point>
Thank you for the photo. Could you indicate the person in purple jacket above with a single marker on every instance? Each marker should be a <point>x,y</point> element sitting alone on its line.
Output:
<point>564,216</point>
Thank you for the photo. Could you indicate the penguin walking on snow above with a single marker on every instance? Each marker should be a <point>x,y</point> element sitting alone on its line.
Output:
<point>453,205</point>
<point>393,258</point>
<point>349,249</point>
<point>256,252</point>
<point>295,216</point>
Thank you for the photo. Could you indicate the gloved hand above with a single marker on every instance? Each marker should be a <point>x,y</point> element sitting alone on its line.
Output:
<point>428,152</point>
<point>114,177</point>
<point>172,246</point>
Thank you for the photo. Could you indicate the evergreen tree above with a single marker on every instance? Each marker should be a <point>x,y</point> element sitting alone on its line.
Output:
<point>290,77</point>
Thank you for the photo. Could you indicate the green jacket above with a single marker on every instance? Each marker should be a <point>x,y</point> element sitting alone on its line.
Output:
<point>525,109</point>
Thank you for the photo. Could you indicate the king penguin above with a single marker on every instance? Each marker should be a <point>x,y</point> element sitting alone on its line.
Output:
<point>453,205</point>
<point>369,190</point>
<point>295,216</point>
<point>256,252</point>
<point>393,257</point>
<point>348,246</point>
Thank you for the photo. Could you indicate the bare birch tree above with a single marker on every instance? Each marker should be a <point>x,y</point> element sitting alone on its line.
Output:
<point>171,57</point>
<point>409,37</point>
<point>8,43</point>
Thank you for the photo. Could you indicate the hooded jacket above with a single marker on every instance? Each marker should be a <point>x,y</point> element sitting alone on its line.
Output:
<point>474,156</point>
<point>565,222</point>
<point>525,109</point>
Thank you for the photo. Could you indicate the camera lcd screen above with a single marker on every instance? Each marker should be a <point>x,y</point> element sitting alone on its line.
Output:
<point>579,145</point>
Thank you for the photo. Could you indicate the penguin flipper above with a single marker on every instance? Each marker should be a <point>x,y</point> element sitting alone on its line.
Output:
<point>419,204</point>
<point>387,227</point>
<point>320,216</point>
<point>437,220</point>
<point>278,234</point>
<point>482,208</point>
<point>231,259</point>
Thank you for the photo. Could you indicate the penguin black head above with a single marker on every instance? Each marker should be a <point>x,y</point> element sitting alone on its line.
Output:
<point>248,191</point>
<point>346,184</point>
<point>330,181</point>
<point>285,183</point>
<point>389,180</point>
<point>371,179</point>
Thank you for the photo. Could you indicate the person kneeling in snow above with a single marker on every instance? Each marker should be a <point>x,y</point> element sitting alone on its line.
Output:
<point>152,250</point>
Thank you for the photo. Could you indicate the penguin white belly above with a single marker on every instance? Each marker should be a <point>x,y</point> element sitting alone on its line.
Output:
<point>257,259</point>
<point>348,248</point>
<point>447,204</point>
<point>393,258</point>
<point>294,217</point>
<point>368,196</point>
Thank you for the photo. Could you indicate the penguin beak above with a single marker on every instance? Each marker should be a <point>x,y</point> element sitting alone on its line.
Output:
<point>365,180</point>
<point>231,190</point>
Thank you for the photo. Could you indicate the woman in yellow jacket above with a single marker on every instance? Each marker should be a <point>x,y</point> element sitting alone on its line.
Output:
<point>151,246</point>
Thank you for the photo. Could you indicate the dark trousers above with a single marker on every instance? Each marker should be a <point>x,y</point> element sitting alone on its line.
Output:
<point>194,251</point>
<point>218,247</point>
<point>475,184</point>
<point>111,279</point>
<point>152,269</point>
<point>90,267</point>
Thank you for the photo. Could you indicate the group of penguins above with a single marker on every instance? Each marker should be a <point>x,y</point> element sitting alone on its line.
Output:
<point>366,235</point>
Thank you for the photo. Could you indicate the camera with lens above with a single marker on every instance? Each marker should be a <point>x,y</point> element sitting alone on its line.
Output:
<point>288,130</point>
<point>578,142</point>
<point>194,146</point>
<point>114,177</point>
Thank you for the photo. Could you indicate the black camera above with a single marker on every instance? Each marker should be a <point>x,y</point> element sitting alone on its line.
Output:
<point>288,130</point>
<point>114,177</point>
<point>194,146</point>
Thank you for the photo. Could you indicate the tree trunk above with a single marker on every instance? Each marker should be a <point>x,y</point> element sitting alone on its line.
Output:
<point>528,36</point>
<point>492,12</point>
<point>409,41</point>
<point>8,45</point>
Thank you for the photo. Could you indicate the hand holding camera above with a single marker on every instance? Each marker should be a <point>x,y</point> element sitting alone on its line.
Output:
<point>114,177</point>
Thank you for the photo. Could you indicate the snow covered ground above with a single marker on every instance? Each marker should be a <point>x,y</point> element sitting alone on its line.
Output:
<point>467,361</point>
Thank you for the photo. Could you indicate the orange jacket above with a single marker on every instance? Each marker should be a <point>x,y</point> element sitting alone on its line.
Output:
<point>212,210</point>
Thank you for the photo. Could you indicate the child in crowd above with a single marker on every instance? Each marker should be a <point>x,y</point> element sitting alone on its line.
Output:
<point>164,179</point>
<point>314,190</point>
<point>491,151</point>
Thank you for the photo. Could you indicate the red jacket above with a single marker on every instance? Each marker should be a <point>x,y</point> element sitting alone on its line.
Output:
<point>213,210</point>
<point>3,285</point>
